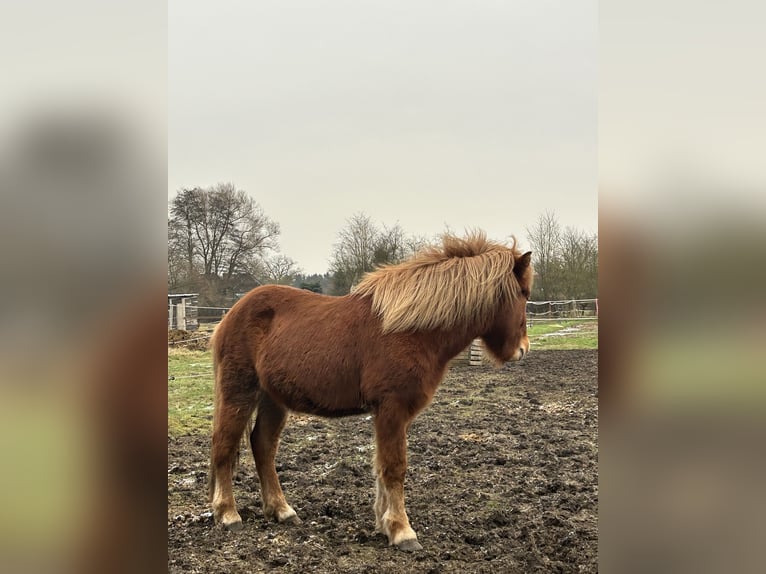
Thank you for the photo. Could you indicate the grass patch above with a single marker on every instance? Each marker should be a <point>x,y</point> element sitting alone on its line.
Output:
<point>190,392</point>
<point>564,334</point>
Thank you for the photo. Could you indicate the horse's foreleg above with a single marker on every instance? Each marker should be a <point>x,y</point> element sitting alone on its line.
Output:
<point>230,420</point>
<point>264,441</point>
<point>391,466</point>
<point>381,500</point>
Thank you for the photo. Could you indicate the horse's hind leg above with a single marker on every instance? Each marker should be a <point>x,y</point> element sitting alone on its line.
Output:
<point>264,441</point>
<point>235,402</point>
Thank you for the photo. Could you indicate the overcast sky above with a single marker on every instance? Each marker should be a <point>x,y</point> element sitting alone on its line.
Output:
<point>428,114</point>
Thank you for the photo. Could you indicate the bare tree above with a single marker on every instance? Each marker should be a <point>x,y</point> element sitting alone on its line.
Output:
<point>221,233</point>
<point>178,268</point>
<point>566,261</point>
<point>353,254</point>
<point>362,246</point>
<point>545,240</point>
<point>579,264</point>
<point>279,269</point>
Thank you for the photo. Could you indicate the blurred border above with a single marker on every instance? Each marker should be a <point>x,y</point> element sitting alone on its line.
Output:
<point>682,251</point>
<point>83,372</point>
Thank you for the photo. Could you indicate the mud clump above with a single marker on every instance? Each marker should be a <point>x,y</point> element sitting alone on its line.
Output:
<point>195,341</point>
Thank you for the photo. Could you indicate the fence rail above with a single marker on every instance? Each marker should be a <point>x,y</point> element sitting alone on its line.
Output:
<point>183,315</point>
<point>566,309</point>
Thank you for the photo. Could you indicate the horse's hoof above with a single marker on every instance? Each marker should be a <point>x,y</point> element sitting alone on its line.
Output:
<point>292,520</point>
<point>285,516</point>
<point>235,526</point>
<point>411,545</point>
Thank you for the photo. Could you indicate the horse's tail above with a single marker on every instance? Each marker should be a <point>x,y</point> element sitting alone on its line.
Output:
<point>216,409</point>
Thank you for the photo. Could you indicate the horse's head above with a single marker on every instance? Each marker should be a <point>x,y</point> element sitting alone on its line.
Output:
<point>506,339</point>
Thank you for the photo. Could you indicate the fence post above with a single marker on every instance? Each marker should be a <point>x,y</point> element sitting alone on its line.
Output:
<point>181,308</point>
<point>170,314</point>
<point>474,353</point>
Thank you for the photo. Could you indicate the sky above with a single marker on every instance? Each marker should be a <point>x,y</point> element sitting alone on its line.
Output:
<point>429,114</point>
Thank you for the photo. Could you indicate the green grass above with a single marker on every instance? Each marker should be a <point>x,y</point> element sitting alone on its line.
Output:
<point>551,335</point>
<point>190,392</point>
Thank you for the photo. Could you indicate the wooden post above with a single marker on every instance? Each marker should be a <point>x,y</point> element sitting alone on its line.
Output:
<point>475,353</point>
<point>170,315</point>
<point>182,314</point>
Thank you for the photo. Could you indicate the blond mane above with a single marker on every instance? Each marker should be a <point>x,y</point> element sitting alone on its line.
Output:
<point>457,283</point>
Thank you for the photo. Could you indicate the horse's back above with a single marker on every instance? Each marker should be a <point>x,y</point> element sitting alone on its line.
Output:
<point>307,349</point>
<point>272,308</point>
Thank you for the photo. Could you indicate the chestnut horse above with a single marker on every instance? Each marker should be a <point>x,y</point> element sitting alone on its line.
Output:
<point>383,349</point>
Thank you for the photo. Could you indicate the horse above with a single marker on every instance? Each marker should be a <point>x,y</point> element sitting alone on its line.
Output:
<point>382,349</point>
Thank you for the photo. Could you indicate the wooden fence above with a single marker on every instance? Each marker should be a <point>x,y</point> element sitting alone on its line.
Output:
<point>182,314</point>
<point>472,355</point>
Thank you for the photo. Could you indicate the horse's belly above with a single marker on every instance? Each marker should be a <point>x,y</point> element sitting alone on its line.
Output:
<point>314,397</point>
<point>321,389</point>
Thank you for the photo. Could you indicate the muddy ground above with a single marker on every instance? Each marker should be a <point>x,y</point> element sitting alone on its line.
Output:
<point>502,478</point>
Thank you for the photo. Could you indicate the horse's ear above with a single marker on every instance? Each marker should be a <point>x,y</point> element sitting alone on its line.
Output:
<point>522,263</point>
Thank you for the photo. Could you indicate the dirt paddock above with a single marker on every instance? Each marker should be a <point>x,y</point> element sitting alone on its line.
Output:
<point>502,478</point>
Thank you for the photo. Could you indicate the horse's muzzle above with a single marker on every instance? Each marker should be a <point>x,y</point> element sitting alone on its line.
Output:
<point>519,354</point>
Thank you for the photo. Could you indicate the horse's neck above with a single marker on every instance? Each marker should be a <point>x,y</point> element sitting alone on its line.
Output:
<point>451,343</point>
